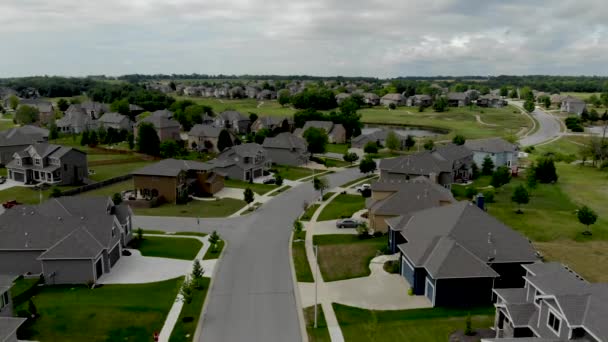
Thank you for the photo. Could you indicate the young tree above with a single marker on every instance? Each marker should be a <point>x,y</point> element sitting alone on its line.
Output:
<point>27,115</point>
<point>392,141</point>
<point>529,105</point>
<point>53,131</point>
<point>545,171</point>
<point>187,289</point>
<point>504,91</point>
<point>350,157</point>
<point>170,149</point>
<point>147,139</point>
<point>131,140</point>
<point>320,184</point>
<point>371,147</point>
<point>317,140</point>
<point>547,102</point>
<point>63,105</point>
<point>459,140</point>
<point>117,198</point>
<point>409,142</point>
<point>224,140</point>
<point>367,165</point>
<point>441,104</point>
<point>513,94</point>
<point>13,102</point>
<point>587,217</point>
<point>214,238</point>
<point>84,139</point>
<point>468,326</point>
<point>487,167</point>
<point>500,177</point>
<point>93,139</point>
<point>429,145</point>
<point>278,179</point>
<point>197,270</point>
<point>248,196</point>
<point>520,196</point>
<point>120,106</point>
<point>284,97</point>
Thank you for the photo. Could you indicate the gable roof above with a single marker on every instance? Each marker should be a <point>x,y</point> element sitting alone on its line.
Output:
<point>393,97</point>
<point>422,163</point>
<point>325,125</point>
<point>375,136</point>
<point>285,140</point>
<point>171,168</point>
<point>112,118</point>
<point>452,152</point>
<point>457,96</point>
<point>410,196</point>
<point>492,145</point>
<point>201,130</point>
<point>24,135</point>
<point>79,244</point>
<point>161,119</point>
<point>8,327</point>
<point>233,115</point>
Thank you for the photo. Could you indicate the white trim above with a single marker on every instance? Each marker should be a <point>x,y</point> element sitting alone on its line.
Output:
<point>558,317</point>
<point>408,263</point>
<point>426,280</point>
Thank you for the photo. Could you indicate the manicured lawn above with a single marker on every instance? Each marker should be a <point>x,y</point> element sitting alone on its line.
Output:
<point>320,333</point>
<point>329,162</point>
<point>3,171</point>
<point>221,208</point>
<point>23,285</point>
<point>336,148</point>
<point>307,215</point>
<point>293,172</point>
<point>429,325</point>
<point>106,157</point>
<point>27,195</point>
<point>245,106</point>
<point>103,172</point>
<point>346,256</point>
<point>168,247</point>
<point>300,262</point>
<point>256,187</point>
<point>327,195</point>
<point>110,190</point>
<point>214,254</point>
<point>280,190</point>
<point>342,206</point>
<point>108,313</point>
<point>589,259</point>
<point>563,146</point>
<point>6,124</point>
<point>185,327</point>
<point>348,184</point>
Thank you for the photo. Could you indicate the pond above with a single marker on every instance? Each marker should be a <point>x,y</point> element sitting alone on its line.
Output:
<point>415,131</point>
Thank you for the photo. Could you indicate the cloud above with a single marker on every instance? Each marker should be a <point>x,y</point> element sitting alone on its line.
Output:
<point>319,37</point>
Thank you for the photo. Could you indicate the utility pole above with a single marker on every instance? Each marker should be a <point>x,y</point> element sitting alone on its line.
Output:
<point>316,247</point>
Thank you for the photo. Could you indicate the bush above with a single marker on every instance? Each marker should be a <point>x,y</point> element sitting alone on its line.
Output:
<point>488,195</point>
<point>470,192</point>
<point>410,291</point>
<point>317,160</point>
<point>371,147</point>
<point>55,192</point>
<point>529,149</point>
<point>392,266</point>
<point>500,177</point>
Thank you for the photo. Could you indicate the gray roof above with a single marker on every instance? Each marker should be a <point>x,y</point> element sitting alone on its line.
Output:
<point>520,313</point>
<point>8,326</point>
<point>325,125</point>
<point>393,97</point>
<point>269,121</point>
<point>374,136</point>
<point>208,131</point>
<point>233,115</point>
<point>457,96</point>
<point>95,106</point>
<point>161,119</point>
<point>572,99</point>
<point>452,152</point>
<point>171,168</point>
<point>42,105</point>
<point>515,295</point>
<point>24,135</point>
<point>422,163</point>
<point>492,145</point>
<point>112,118</point>
<point>79,244</point>
<point>410,196</point>
<point>44,150</point>
<point>285,140</point>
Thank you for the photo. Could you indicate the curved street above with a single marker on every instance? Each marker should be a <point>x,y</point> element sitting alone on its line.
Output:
<point>550,127</point>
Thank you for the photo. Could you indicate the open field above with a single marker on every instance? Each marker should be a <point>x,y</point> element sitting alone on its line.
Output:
<point>169,247</point>
<point>220,208</point>
<point>244,106</point>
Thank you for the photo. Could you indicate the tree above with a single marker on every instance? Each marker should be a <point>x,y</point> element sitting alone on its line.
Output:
<point>529,105</point>
<point>371,147</point>
<point>27,114</point>
<point>317,140</point>
<point>474,171</point>
<point>587,217</point>
<point>93,139</point>
<point>284,97</point>
<point>547,102</point>
<point>214,238</point>
<point>131,140</point>
<point>253,117</point>
<point>513,94</point>
<point>441,104</point>
<point>500,177</point>
<point>520,196</point>
<point>53,131</point>
<point>526,94</point>
<point>297,227</point>
<point>392,106</point>
<point>429,145</point>
<point>120,106</point>
<point>367,165</point>
<point>468,326</point>
<point>545,171</point>
<point>170,149</point>
<point>278,179</point>
<point>117,198</point>
<point>248,196</point>
<point>13,102</point>
<point>147,139</point>
<point>84,139</point>
<point>63,104</point>
<point>392,141</point>
<point>350,157</point>
<point>487,167</point>
<point>187,289</point>
<point>224,140</point>
<point>197,270</point>
<point>459,140</point>
<point>409,142</point>
<point>261,135</point>
<point>320,184</point>
<point>504,91</point>
<point>55,192</point>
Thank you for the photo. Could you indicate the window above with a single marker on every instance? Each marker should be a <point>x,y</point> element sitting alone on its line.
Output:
<point>65,167</point>
<point>37,161</point>
<point>113,231</point>
<point>4,300</point>
<point>554,322</point>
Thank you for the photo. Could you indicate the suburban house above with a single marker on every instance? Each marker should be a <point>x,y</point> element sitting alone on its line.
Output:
<point>491,101</point>
<point>8,328</point>
<point>18,138</point>
<point>378,137</point>
<point>401,197</point>
<point>573,105</point>
<point>286,149</point>
<point>266,95</point>
<point>45,108</point>
<point>393,98</point>
<point>458,99</point>
<point>335,132</point>
<point>241,162</point>
<point>204,137</point>
<point>172,179</point>
<point>166,127</point>
<point>341,97</point>
<point>419,100</point>
<point>555,304</point>
<point>444,165</point>
<point>456,254</point>
<point>116,121</point>
<point>556,99</point>
<point>234,121</point>
<point>69,240</point>
<point>81,117</point>
<point>135,109</point>
<point>371,99</point>
<point>502,152</point>
<point>6,303</point>
<point>272,123</point>
<point>47,163</point>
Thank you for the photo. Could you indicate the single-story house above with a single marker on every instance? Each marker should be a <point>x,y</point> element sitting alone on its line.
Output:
<point>204,137</point>
<point>6,301</point>
<point>573,105</point>
<point>166,126</point>
<point>419,100</point>
<point>116,121</point>
<point>491,101</point>
<point>393,98</point>
<point>18,138</point>
<point>335,132</point>
<point>378,137</point>
<point>272,123</point>
<point>8,328</point>
<point>502,152</point>
<point>286,149</point>
<point>458,99</point>
<point>241,162</point>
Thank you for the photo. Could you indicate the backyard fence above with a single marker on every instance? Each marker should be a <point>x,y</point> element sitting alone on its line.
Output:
<point>95,186</point>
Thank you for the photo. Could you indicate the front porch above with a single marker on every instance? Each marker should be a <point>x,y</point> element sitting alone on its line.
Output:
<point>30,176</point>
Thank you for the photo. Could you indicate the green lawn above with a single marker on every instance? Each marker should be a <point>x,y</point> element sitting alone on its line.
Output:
<point>300,262</point>
<point>336,148</point>
<point>320,333</point>
<point>106,156</point>
<point>214,254</point>
<point>342,206</point>
<point>280,190</point>
<point>221,208</point>
<point>293,172</point>
<point>259,189</point>
<point>103,172</point>
<point>110,190</point>
<point>428,325</point>
<point>22,285</point>
<point>169,247</point>
<point>245,106</point>
<point>6,124</point>
<point>186,324</point>
<point>346,256</point>
<point>329,162</point>
<point>3,171</point>
<point>348,184</point>
<point>327,195</point>
<point>27,195</point>
<point>108,313</point>
<point>307,215</point>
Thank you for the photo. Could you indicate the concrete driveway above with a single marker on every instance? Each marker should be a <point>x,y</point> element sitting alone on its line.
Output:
<point>327,227</point>
<point>138,269</point>
<point>9,184</point>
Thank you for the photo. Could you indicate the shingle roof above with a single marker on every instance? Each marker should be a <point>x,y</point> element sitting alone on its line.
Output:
<point>325,125</point>
<point>285,140</point>
<point>112,118</point>
<point>457,96</point>
<point>79,244</point>
<point>452,152</point>
<point>44,150</point>
<point>208,131</point>
<point>410,196</point>
<point>374,136</point>
<point>24,135</point>
<point>8,326</point>
<point>162,119</point>
<point>233,115</point>
<point>171,168</point>
<point>422,163</point>
<point>521,313</point>
<point>492,145</point>
<point>393,97</point>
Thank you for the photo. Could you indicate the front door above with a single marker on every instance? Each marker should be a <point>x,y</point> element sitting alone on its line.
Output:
<point>98,268</point>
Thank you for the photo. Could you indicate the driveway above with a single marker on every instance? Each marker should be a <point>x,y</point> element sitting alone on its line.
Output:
<point>9,184</point>
<point>327,227</point>
<point>138,269</point>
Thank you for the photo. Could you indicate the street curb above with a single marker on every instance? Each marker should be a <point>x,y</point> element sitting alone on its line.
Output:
<point>199,325</point>
<point>296,290</point>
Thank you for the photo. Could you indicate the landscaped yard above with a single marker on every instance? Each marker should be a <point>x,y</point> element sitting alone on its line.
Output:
<point>307,215</point>
<point>329,162</point>
<point>110,190</point>
<point>300,262</point>
<point>186,324</point>
<point>320,333</point>
<point>27,195</point>
<point>168,247</point>
<point>428,325</point>
<point>368,177</point>
<point>342,206</point>
<point>214,254</point>
<point>104,172</point>
<point>336,148</point>
<point>260,189</point>
<point>107,313</point>
<point>293,172</point>
<point>220,208</point>
<point>346,256</point>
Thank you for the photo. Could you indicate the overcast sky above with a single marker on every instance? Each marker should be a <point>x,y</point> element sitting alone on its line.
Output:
<point>315,37</point>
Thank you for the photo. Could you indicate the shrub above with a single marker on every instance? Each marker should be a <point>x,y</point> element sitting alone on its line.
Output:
<point>470,192</point>
<point>55,192</point>
<point>500,177</point>
<point>468,329</point>
<point>488,196</point>
<point>116,198</point>
<point>529,149</point>
<point>392,266</point>
<point>410,291</point>
<point>371,147</point>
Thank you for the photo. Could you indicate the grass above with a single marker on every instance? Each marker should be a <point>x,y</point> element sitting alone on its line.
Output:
<point>330,162</point>
<point>186,324</point>
<point>346,256</point>
<point>6,124</point>
<point>168,247</point>
<point>221,208</point>
<point>259,189</point>
<point>563,145</point>
<point>348,184</point>
<point>321,333</point>
<point>293,172</point>
<point>214,254</point>
<point>336,148</point>
<point>27,195</point>
<point>342,206</point>
<point>429,325</point>
<point>104,172</point>
<point>111,189</point>
<point>577,255</point>
<point>280,190</point>
<point>307,215</point>
<point>300,261</point>
<point>3,171</point>
<point>107,313</point>
<point>105,157</point>
<point>245,106</point>
<point>22,285</point>
<point>327,195</point>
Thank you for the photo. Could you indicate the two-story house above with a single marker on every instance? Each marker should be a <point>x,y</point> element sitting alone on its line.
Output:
<point>18,138</point>
<point>233,121</point>
<point>204,137</point>
<point>573,105</point>
<point>165,125</point>
<point>116,121</point>
<point>336,133</point>
<point>500,151</point>
<point>286,149</point>
<point>47,163</point>
<point>81,117</point>
<point>242,162</point>
<point>272,123</point>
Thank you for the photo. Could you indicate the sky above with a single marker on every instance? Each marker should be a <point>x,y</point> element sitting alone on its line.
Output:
<point>375,38</point>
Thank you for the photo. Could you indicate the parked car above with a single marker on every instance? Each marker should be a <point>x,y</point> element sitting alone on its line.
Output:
<point>347,223</point>
<point>270,181</point>
<point>2,180</point>
<point>363,187</point>
<point>10,204</point>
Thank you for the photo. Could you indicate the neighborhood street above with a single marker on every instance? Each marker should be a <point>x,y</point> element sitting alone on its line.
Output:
<point>549,127</point>
<point>253,296</point>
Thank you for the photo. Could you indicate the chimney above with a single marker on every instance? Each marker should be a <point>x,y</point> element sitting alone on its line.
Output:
<point>480,201</point>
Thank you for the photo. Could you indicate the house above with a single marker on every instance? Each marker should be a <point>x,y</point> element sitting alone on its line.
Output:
<point>556,99</point>
<point>378,137</point>
<point>458,100</point>
<point>554,304</point>
<point>94,109</point>
<point>456,254</point>
<point>81,117</point>
<point>6,302</point>
<point>491,101</point>
<point>241,162</point>
<point>502,152</point>
<point>166,127</point>
<point>135,110</point>
<point>172,179</point>
<point>204,137</point>
<point>401,197</point>
<point>69,240</point>
<point>444,165</point>
<point>234,121</point>
<point>419,100</point>
<point>272,123</point>
<point>393,98</point>
<point>116,121</point>
<point>8,328</point>
<point>336,133</point>
<point>573,105</point>
<point>286,149</point>
<point>267,95</point>
<point>473,94</point>
<point>371,99</point>
<point>16,139</point>
<point>47,163</point>
<point>341,97</point>
<point>45,108</point>
<point>252,92</point>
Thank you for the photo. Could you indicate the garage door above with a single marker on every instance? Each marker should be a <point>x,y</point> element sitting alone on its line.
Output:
<point>114,255</point>
<point>19,177</point>
<point>407,271</point>
<point>429,291</point>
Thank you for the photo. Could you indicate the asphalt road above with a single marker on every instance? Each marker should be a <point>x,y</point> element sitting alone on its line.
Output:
<point>253,297</point>
<point>549,128</point>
